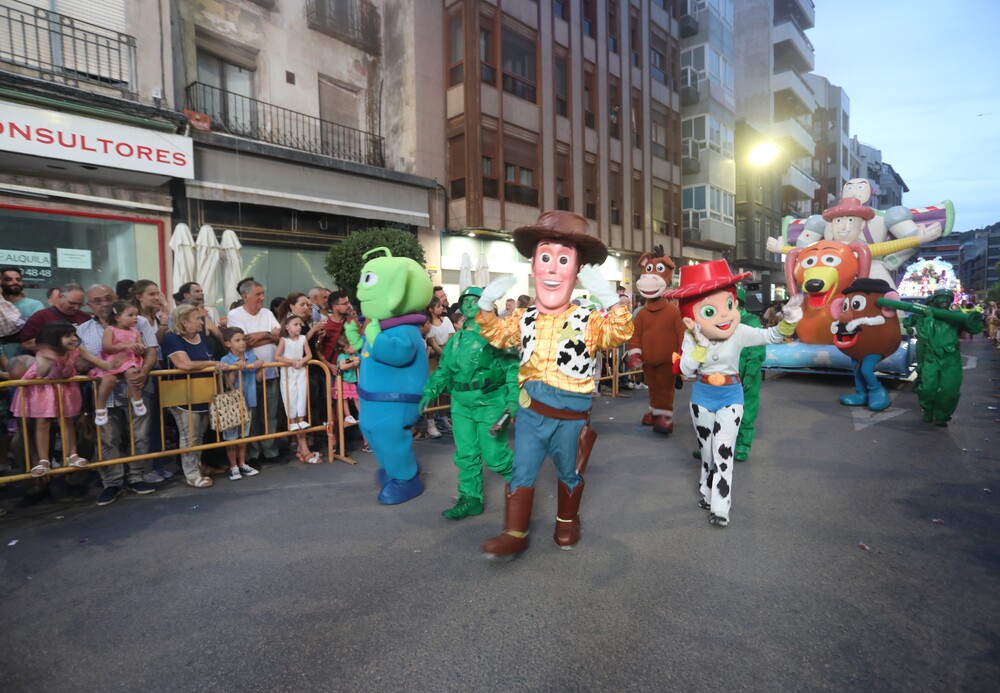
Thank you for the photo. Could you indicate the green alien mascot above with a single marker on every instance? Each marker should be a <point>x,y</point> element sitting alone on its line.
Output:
<point>483,384</point>
<point>393,291</point>
<point>939,361</point>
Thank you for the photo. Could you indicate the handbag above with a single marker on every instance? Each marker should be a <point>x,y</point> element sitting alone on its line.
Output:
<point>227,409</point>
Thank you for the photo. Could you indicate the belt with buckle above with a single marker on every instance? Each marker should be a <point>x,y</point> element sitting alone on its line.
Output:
<point>559,414</point>
<point>485,385</point>
<point>719,379</point>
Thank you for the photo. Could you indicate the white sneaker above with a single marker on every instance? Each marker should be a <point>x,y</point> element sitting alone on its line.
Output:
<point>350,420</point>
<point>101,417</point>
<point>139,407</point>
<point>247,470</point>
<point>152,477</point>
<point>234,474</point>
<point>432,429</point>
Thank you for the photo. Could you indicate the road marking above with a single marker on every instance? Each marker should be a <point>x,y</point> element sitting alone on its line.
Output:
<point>863,418</point>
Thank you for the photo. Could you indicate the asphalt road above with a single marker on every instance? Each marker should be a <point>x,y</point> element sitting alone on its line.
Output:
<point>863,554</point>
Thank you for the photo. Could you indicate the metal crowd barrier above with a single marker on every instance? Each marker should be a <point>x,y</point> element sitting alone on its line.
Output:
<point>195,389</point>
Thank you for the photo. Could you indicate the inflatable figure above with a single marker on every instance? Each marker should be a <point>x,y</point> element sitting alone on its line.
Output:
<point>483,384</point>
<point>557,341</point>
<point>657,337</point>
<point>853,220</point>
<point>822,270</point>
<point>939,360</point>
<point>710,354</point>
<point>393,292</point>
<point>867,333</point>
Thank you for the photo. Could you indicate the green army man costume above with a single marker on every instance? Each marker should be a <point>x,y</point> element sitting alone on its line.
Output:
<point>939,361</point>
<point>483,384</point>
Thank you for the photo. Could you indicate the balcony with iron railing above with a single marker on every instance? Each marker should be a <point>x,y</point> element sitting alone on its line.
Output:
<point>242,116</point>
<point>355,22</point>
<point>63,49</point>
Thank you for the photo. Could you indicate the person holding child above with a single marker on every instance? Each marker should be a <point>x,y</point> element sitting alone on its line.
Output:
<point>120,338</point>
<point>294,350</point>
<point>57,350</point>
<point>245,371</point>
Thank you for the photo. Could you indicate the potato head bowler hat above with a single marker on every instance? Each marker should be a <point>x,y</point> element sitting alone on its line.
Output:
<point>705,278</point>
<point>561,227</point>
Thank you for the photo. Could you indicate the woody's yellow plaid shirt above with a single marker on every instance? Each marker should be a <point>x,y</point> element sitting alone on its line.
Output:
<point>604,331</point>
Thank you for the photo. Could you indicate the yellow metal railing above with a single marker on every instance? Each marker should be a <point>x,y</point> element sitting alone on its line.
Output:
<point>196,389</point>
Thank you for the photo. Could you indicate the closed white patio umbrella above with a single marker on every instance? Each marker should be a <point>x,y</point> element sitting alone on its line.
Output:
<point>182,246</point>
<point>232,268</point>
<point>465,273</point>
<point>209,256</point>
<point>482,271</point>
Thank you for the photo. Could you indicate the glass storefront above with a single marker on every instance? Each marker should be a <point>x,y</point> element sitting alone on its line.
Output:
<point>284,270</point>
<point>54,248</point>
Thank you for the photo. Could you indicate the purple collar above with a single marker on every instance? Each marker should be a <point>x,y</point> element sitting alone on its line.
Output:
<point>410,319</point>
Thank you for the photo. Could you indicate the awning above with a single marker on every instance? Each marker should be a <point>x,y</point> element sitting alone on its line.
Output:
<point>234,177</point>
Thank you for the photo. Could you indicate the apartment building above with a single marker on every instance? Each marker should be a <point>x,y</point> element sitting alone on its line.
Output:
<point>831,164</point>
<point>708,128</point>
<point>866,162</point>
<point>90,140</point>
<point>311,119</point>
<point>552,104</point>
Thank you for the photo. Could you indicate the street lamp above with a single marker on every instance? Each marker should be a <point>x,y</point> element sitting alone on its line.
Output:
<point>763,153</point>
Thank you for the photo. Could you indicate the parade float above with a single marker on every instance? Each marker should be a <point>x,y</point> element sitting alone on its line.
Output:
<point>924,277</point>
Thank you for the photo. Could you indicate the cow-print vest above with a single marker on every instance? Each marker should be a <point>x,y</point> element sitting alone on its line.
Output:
<point>572,356</point>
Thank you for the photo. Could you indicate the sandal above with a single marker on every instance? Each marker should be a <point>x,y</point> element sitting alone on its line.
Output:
<point>314,458</point>
<point>75,460</point>
<point>200,482</point>
<point>41,469</point>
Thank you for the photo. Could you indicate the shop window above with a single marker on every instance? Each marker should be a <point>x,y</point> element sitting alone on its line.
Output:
<point>562,85</point>
<point>59,248</point>
<point>456,66</point>
<point>519,171</point>
<point>518,55</point>
<point>456,166</point>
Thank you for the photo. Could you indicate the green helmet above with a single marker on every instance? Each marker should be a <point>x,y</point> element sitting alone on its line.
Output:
<point>471,291</point>
<point>943,294</point>
<point>741,294</point>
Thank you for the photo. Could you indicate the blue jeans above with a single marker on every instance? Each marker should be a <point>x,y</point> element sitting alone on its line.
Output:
<point>537,436</point>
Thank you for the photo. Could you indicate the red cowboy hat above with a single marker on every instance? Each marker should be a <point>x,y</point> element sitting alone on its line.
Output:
<point>561,227</point>
<point>849,207</point>
<point>705,278</point>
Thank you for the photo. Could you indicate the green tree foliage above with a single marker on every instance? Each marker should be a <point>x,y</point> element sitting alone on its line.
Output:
<point>344,263</point>
<point>994,293</point>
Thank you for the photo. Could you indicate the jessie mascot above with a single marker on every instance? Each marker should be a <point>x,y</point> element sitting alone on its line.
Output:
<point>659,331</point>
<point>711,356</point>
<point>867,333</point>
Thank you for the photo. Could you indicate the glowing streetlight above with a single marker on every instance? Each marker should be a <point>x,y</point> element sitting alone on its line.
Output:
<point>763,154</point>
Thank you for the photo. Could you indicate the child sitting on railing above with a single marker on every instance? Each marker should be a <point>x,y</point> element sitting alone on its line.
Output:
<point>123,338</point>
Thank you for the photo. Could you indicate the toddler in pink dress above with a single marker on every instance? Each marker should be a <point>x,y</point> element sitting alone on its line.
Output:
<point>121,339</point>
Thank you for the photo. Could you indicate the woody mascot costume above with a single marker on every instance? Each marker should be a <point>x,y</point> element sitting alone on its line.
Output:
<point>710,356</point>
<point>557,343</point>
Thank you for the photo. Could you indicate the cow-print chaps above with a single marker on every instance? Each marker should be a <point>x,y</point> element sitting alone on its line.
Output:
<point>716,432</point>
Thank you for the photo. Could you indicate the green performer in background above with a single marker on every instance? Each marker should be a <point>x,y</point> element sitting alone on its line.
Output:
<point>751,362</point>
<point>939,360</point>
<point>483,384</point>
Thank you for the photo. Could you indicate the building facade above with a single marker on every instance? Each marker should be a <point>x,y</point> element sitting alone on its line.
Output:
<point>866,162</point>
<point>708,129</point>
<point>553,104</point>
<point>831,164</point>
<point>90,141</point>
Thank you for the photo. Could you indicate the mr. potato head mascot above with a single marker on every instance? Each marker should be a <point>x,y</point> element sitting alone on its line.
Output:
<point>659,331</point>
<point>711,356</point>
<point>821,271</point>
<point>557,341</point>
<point>867,333</point>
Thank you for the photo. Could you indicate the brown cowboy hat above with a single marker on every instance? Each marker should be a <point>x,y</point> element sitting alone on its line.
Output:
<point>561,227</point>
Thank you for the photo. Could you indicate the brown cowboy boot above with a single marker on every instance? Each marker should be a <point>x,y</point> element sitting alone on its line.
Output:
<point>514,539</point>
<point>568,520</point>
